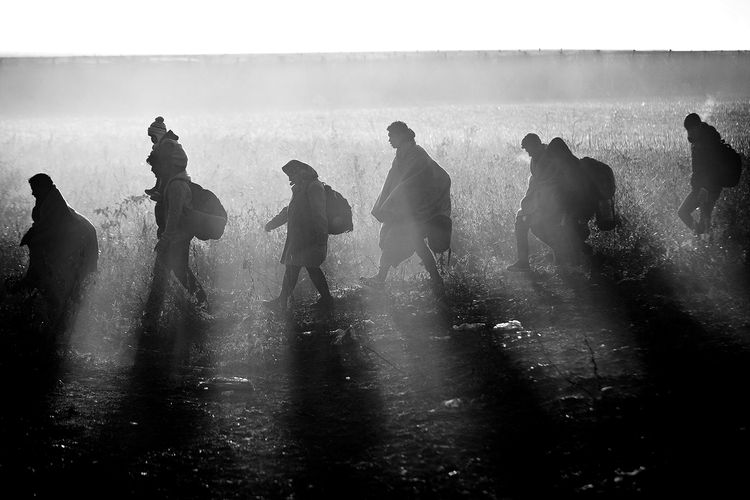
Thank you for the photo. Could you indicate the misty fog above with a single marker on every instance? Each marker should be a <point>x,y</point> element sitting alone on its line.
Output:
<point>129,85</point>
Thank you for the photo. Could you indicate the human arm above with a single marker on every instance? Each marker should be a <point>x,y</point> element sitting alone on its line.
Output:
<point>278,221</point>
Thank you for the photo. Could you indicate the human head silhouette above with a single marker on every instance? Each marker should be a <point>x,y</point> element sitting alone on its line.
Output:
<point>41,184</point>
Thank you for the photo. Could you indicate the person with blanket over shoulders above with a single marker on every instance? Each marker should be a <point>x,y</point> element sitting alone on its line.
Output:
<point>63,249</point>
<point>416,190</point>
<point>306,242</point>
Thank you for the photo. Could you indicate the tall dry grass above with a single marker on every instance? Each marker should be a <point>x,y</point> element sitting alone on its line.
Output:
<point>99,166</point>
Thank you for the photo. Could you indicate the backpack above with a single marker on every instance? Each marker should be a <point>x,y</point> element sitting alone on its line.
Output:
<point>207,217</point>
<point>338,212</point>
<point>439,230</point>
<point>603,180</point>
<point>601,176</point>
<point>729,166</point>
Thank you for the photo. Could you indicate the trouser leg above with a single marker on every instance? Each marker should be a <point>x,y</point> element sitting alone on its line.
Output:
<point>428,260</point>
<point>707,201</point>
<point>319,280</point>
<point>685,212</point>
<point>291,275</point>
<point>159,283</point>
<point>179,263</point>
<point>385,266</point>
<point>522,237</point>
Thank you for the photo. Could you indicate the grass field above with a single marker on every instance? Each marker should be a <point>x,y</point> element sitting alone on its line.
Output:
<point>99,166</point>
<point>618,385</point>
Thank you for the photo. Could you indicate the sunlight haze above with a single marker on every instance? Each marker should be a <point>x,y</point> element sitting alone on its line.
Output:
<point>87,27</point>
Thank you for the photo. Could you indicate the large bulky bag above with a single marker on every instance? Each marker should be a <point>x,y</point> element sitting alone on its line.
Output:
<point>207,217</point>
<point>439,230</point>
<point>601,176</point>
<point>729,165</point>
<point>603,180</point>
<point>338,212</point>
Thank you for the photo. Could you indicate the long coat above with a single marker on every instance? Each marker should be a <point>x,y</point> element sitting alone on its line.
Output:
<point>415,191</point>
<point>306,242</point>
<point>63,249</point>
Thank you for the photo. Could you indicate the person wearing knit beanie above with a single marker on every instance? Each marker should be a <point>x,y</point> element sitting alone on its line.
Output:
<point>165,149</point>
<point>157,129</point>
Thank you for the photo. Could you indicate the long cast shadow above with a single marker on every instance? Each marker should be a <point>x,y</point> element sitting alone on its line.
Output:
<point>335,417</point>
<point>501,436</point>
<point>688,426</point>
<point>146,440</point>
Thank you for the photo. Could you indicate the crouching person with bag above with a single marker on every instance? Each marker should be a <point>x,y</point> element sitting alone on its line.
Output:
<point>306,242</point>
<point>173,247</point>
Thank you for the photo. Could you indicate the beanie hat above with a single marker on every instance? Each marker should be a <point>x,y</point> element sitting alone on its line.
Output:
<point>157,127</point>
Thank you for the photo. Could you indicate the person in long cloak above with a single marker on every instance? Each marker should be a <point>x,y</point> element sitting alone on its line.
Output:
<point>416,192</point>
<point>63,248</point>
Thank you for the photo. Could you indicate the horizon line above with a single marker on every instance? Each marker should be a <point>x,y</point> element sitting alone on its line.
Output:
<point>51,55</point>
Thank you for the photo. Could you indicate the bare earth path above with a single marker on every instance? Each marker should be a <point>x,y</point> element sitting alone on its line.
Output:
<point>606,388</point>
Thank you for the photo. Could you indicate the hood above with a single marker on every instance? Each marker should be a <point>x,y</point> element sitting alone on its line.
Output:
<point>169,135</point>
<point>179,175</point>
<point>306,169</point>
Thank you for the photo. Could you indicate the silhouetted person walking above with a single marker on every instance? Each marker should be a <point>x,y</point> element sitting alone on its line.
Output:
<point>529,204</point>
<point>173,245</point>
<point>63,249</point>
<point>705,186</point>
<point>561,199</point>
<point>416,191</point>
<point>306,242</point>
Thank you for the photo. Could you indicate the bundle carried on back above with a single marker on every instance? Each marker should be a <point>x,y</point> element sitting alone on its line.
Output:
<point>603,181</point>
<point>729,165</point>
<point>207,218</point>
<point>338,212</point>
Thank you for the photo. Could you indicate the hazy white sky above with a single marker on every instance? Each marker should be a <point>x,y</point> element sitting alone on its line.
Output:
<point>102,27</point>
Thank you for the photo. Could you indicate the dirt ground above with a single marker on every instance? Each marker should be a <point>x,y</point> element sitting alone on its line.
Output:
<point>603,387</point>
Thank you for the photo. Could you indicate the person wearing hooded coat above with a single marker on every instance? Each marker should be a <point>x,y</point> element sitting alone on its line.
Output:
<point>63,249</point>
<point>416,191</point>
<point>165,153</point>
<point>173,245</point>
<point>705,187</point>
<point>306,242</point>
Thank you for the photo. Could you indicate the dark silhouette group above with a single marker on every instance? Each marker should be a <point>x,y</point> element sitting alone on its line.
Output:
<point>414,207</point>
